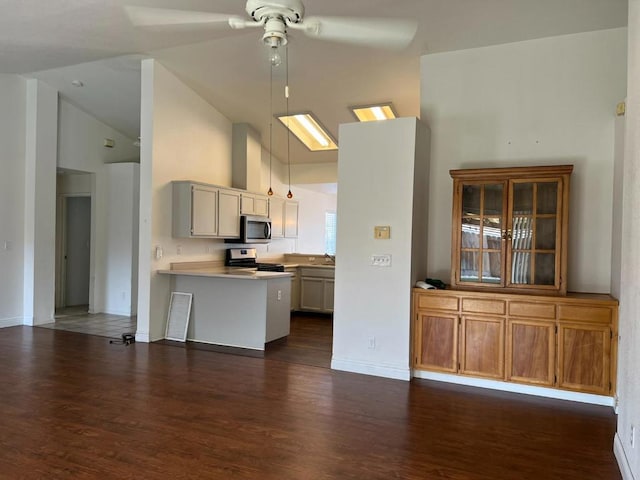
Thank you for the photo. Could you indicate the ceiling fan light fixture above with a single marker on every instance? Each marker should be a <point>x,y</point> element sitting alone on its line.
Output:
<point>372,113</point>
<point>307,129</point>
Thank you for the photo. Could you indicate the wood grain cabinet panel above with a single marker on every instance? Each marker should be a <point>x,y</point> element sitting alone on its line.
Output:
<point>438,302</point>
<point>477,305</point>
<point>568,343</point>
<point>584,353</point>
<point>482,347</point>
<point>589,313</point>
<point>531,352</point>
<point>437,342</point>
<point>532,310</point>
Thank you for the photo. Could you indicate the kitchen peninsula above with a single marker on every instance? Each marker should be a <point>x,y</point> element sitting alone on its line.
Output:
<point>234,307</point>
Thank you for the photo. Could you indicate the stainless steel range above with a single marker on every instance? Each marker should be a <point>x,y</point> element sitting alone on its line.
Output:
<point>248,258</point>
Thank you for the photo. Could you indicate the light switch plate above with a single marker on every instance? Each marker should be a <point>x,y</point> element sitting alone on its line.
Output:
<point>382,232</point>
<point>381,260</point>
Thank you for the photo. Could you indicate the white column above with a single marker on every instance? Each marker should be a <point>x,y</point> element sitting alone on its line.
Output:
<point>40,202</point>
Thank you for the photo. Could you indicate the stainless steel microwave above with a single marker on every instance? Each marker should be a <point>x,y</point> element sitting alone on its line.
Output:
<point>255,229</point>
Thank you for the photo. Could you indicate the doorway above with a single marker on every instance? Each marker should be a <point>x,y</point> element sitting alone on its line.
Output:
<point>75,256</point>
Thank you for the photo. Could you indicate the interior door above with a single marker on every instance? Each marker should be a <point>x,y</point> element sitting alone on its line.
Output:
<point>77,250</point>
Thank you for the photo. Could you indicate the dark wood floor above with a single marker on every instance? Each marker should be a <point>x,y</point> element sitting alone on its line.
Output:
<point>74,406</point>
<point>309,343</point>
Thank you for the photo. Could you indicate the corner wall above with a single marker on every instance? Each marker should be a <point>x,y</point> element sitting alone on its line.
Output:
<point>538,102</point>
<point>377,168</point>
<point>40,202</point>
<point>629,322</point>
<point>12,158</point>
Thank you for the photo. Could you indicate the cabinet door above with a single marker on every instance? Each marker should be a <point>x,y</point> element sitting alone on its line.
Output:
<point>436,346</point>
<point>229,214</point>
<point>247,204</point>
<point>261,206</point>
<point>531,352</point>
<point>328,295</point>
<point>204,211</point>
<point>479,213</point>
<point>276,214</point>
<point>534,231</point>
<point>295,289</point>
<point>482,347</point>
<point>291,219</point>
<point>312,294</point>
<point>583,357</point>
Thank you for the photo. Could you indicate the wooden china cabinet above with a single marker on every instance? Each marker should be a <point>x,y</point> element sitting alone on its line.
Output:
<point>507,315</point>
<point>510,229</point>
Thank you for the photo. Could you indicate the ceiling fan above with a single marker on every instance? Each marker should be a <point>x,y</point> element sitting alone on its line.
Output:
<point>278,17</point>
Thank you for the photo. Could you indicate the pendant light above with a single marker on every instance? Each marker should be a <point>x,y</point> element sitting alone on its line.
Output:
<point>270,191</point>
<point>286,94</point>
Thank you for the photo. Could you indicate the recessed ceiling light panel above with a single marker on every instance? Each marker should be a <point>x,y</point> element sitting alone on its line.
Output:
<point>372,113</point>
<point>309,131</point>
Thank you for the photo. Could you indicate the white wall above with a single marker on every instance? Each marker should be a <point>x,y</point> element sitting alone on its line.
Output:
<point>377,167</point>
<point>121,234</point>
<point>41,137</point>
<point>12,162</point>
<point>183,138</point>
<point>81,141</point>
<point>314,173</point>
<point>629,327</point>
<point>546,101</point>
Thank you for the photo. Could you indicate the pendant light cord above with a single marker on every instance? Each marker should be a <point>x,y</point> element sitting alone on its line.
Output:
<point>270,192</point>
<point>286,94</point>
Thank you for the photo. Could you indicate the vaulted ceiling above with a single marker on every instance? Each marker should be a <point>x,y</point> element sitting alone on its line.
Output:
<point>62,40</point>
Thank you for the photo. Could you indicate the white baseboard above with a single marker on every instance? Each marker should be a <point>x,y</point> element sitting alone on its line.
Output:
<point>12,322</point>
<point>517,388</point>
<point>371,369</point>
<point>621,457</point>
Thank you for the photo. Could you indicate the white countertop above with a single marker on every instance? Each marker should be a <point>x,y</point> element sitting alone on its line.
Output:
<point>224,272</point>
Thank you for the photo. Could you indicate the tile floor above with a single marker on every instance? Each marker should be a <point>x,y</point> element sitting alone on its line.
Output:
<point>77,319</point>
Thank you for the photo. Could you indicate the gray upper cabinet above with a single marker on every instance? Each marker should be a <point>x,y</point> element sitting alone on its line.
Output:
<point>205,211</point>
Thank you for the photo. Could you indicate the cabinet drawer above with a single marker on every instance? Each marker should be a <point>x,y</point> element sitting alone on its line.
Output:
<point>532,310</point>
<point>321,272</point>
<point>584,313</point>
<point>477,305</point>
<point>437,302</point>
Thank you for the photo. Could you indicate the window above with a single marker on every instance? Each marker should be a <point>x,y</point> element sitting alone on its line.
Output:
<point>330,233</point>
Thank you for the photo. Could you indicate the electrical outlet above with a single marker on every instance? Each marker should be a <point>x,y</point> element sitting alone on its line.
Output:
<point>633,436</point>
<point>372,343</point>
<point>279,295</point>
<point>179,250</point>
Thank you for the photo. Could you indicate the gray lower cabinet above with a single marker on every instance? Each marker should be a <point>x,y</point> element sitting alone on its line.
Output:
<point>316,289</point>
<point>295,288</point>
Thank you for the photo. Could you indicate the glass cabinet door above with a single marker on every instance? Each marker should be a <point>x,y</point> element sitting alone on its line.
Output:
<point>482,222</point>
<point>533,233</point>
<point>510,229</point>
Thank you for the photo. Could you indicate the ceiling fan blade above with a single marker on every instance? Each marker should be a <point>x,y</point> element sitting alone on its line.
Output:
<point>375,32</point>
<point>165,17</point>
